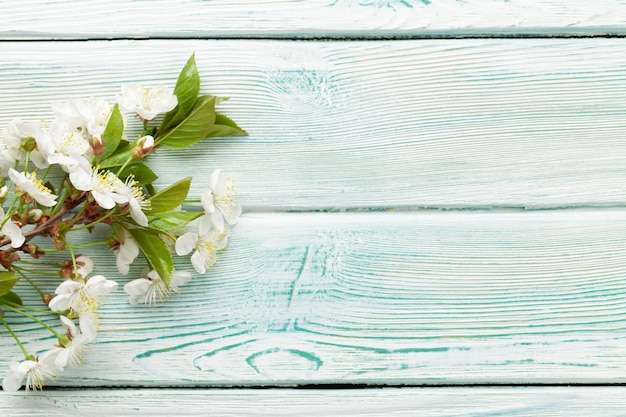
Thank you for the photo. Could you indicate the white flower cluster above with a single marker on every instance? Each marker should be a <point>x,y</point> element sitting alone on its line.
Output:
<point>71,143</point>
<point>80,297</point>
<point>219,204</point>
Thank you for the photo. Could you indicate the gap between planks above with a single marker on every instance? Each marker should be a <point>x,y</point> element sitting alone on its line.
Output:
<point>535,33</point>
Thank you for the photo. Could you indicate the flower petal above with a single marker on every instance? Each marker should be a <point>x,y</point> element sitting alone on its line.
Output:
<point>60,302</point>
<point>88,323</point>
<point>137,286</point>
<point>179,278</point>
<point>14,233</point>
<point>197,260</point>
<point>186,243</point>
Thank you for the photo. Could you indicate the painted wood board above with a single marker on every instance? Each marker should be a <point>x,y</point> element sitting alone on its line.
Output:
<point>436,402</point>
<point>43,19</point>
<point>536,123</point>
<point>378,298</point>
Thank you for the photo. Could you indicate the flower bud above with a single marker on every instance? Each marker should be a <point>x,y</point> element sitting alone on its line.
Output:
<point>4,190</point>
<point>34,215</point>
<point>97,144</point>
<point>47,298</point>
<point>29,144</point>
<point>34,251</point>
<point>144,146</point>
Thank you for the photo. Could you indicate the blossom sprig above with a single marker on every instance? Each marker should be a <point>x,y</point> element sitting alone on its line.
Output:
<point>79,172</point>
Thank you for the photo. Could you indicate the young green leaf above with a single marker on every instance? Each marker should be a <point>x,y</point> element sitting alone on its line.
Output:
<point>7,281</point>
<point>224,126</point>
<point>141,172</point>
<point>118,158</point>
<point>112,133</point>
<point>186,91</point>
<point>11,298</point>
<point>195,127</point>
<point>171,197</point>
<point>188,85</point>
<point>172,220</point>
<point>155,251</point>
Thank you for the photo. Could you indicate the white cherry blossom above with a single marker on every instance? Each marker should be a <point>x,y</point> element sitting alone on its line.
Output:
<point>88,117</point>
<point>12,231</point>
<point>147,102</point>
<point>126,252</point>
<point>137,201</point>
<point>63,145</point>
<point>105,187</point>
<point>81,295</point>
<point>13,135</point>
<point>150,288</point>
<point>72,354</point>
<point>28,183</point>
<point>34,371</point>
<point>219,200</point>
<point>205,244</point>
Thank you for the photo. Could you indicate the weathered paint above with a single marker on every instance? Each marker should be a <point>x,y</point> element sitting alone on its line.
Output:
<point>435,402</point>
<point>393,298</point>
<point>373,125</point>
<point>371,295</point>
<point>43,19</point>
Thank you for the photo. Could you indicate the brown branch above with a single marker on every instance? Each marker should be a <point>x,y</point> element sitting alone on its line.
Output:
<point>43,228</point>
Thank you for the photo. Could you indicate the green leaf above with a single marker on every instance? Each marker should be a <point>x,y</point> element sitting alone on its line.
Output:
<point>224,126</point>
<point>186,91</point>
<point>171,197</point>
<point>11,298</point>
<point>141,172</point>
<point>7,281</point>
<point>112,133</point>
<point>195,127</point>
<point>119,157</point>
<point>172,220</point>
<point>155,251</point>
<point>188,85</point>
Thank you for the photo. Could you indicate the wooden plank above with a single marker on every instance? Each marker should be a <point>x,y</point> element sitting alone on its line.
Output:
<point>382,298</point>
<point>42,19</point>
<point>435,402</point>
<point>339,125</point>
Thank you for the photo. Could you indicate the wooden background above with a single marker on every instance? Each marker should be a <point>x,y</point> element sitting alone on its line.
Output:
<point>434,199</point>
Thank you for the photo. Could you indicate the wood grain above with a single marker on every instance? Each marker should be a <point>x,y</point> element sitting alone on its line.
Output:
<point>380,298</point>
<point>435,402</point>
<point>43,19</point>
<point>387,124</point>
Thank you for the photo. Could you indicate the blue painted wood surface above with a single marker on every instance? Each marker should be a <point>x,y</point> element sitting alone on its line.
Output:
<point>425,212</point>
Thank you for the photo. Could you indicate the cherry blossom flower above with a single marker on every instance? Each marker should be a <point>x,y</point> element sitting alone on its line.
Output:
<point>14,135</point>
<point>206,243</point>
<point>137,201</point>
<point>34,371</point>
<point>12,231</point>
<point>72,354</point>
<point>88,117</point>
<point>126,252</point>
<point>150,288</point>
<point>65,146</point>
<point>219,201</point>
<point>146,102</point>
<point>29,184</point>
<point>105,187</point>
<point>81,295</point>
